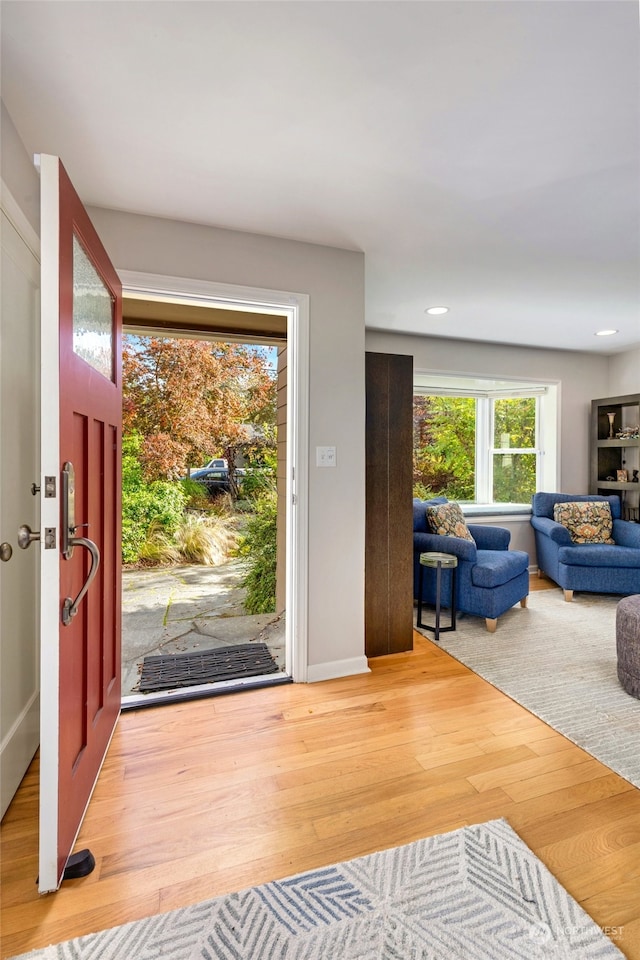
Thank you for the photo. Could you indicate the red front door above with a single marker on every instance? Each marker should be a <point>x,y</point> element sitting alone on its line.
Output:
<point>81,443</point>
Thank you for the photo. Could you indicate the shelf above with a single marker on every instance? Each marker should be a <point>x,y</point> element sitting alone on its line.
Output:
<point>617,485</point>
<point>620,442</point>
<point>609,454</point>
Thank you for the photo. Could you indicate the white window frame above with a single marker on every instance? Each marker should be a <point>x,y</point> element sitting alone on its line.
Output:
<point>487,449</point>
<point>547,429</point>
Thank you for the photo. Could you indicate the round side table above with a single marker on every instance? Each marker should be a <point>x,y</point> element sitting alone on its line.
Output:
<point>438,562</point>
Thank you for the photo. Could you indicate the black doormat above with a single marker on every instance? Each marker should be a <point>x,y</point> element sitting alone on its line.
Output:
<point>206,666</point>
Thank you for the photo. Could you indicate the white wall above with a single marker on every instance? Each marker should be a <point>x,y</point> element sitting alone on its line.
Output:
<point>18,170</point>
<point>624,373</point>
<point>334,280</point>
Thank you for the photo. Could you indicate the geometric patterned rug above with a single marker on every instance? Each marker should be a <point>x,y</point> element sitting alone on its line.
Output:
<point>477,893</point>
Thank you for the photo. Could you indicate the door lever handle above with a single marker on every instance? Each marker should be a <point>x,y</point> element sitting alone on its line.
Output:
<point>70,607</point>
<point>69,541</point>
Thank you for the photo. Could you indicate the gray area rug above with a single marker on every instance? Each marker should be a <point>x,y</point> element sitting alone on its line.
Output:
<point>559,660</point>
<point>475,894</point>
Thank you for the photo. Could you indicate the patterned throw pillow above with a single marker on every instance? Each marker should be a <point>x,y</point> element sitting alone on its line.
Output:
<point>447,520</point>
<point>588,521</point>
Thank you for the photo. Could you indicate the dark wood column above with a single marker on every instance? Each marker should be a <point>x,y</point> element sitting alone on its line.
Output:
<point>389,512</point>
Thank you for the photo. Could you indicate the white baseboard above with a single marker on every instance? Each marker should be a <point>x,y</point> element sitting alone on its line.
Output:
<point>337,668</point>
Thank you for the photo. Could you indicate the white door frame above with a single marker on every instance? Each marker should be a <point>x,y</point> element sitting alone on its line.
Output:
<point>296,308</point>
<point>19,731</point>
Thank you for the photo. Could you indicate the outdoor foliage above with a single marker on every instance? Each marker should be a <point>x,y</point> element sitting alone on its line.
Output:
<point>158,548</point>
<point>204,539</point>
<point>157,528</point>
<point>514,477</point>
<point>197,496</point>
<point>258,548</point>
<point>444,447</point>
<point>190,400</point>
<point>260,479</point>
<point>514,474</point>
<point>184,402</point>
<point>515,422</point>
<point>146,507</point>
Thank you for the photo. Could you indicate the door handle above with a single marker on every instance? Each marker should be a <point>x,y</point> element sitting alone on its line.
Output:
<point>69,541</point>
<point>26,536</point>
<point>70,607</point>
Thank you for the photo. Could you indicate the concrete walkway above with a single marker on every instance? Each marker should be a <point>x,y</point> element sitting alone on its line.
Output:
<point>179,609</point>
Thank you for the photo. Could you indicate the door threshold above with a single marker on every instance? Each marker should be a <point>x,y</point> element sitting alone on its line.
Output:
<point>137,701</point>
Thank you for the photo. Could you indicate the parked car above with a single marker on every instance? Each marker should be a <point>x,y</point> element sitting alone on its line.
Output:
<point>218,463</point>
<point>216,481</point>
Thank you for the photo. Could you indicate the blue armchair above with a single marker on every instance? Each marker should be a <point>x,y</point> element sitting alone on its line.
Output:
<point>490,578</point>
<point>591,567</point>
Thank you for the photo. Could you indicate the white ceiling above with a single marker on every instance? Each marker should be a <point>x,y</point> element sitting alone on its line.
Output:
<point>483,155</point>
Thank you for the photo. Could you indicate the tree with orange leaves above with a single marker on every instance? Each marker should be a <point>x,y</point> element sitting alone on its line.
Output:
<point>191,400</point>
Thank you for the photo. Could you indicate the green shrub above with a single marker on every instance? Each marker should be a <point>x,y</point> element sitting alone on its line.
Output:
<point>147,508</point>
<point>197,496</point>
<point>244,506</point>
<point>423,492</point>
<point>257,547</point>
<point>256,482</point>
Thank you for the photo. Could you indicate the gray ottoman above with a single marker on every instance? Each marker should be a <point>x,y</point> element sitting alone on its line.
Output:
<point>628,643</point>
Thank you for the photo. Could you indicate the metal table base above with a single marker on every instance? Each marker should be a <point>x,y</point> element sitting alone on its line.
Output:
<point>438,561</point>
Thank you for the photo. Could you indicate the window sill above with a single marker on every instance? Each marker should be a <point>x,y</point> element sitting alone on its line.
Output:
<point>521,511</point>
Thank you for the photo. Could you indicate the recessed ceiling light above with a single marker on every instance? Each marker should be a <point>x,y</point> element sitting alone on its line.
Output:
<point>605,333</point>
<point>434,311</point>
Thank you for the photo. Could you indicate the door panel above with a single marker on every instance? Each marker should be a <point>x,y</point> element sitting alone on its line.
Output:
<point>81,650</point>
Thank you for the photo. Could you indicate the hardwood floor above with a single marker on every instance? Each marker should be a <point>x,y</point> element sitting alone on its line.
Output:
<point>199,799</point>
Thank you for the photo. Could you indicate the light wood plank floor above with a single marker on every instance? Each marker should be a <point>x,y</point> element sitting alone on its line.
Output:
<point>199,799</point>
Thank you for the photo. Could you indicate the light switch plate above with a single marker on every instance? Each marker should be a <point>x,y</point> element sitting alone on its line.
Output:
<point>325,456</point>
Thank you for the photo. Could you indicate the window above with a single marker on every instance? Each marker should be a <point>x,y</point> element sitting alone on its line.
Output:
<point>514,451</point>
<point>483,442</point>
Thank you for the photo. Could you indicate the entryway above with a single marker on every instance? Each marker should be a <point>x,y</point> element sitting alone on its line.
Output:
<point>198,609</point>
<point>177,616</point>
<point>39,512</point>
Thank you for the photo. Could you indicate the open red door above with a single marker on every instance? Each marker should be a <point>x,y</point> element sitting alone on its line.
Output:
<point>80,514</point>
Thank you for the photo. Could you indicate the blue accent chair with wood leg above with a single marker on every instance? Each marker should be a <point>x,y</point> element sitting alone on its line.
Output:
<point>582,563</point>
<point>490,578</point>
